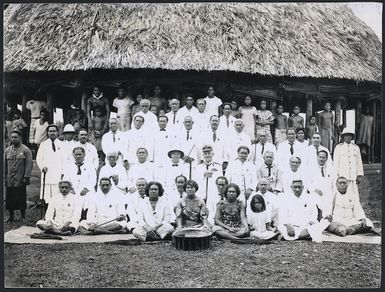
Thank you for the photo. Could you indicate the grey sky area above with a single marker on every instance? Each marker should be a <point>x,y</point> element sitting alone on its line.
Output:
<point>371,14</point>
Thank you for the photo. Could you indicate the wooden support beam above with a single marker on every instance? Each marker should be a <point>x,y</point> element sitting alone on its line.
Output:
<point>309,108</point>
<point>374,135</point>
<point>337,122</point>
<point>50,106</point>
<point>273,106</point>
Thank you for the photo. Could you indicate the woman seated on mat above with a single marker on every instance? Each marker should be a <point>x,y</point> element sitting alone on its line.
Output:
<point>259,219</point>
<point>63,212</point>
<point>191,211</point>
<point>230,219</point>
<point>154,215</point>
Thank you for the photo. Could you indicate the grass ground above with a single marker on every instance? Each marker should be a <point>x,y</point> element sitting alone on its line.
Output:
<point>301,264</point>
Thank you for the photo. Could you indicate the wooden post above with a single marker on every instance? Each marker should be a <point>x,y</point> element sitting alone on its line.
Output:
<point>50,106</point>
<point>309,108</point>
<point>337,122</point>
<point>374,140</point>
<point>273,106</point>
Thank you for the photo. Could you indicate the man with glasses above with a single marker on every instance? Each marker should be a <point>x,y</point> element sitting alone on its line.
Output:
<point>150,119</point>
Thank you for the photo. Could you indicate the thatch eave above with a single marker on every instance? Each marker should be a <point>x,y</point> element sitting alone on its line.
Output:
<point>298,40</point>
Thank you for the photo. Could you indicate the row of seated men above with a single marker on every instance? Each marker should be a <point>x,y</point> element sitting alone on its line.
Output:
<point>151,214</point>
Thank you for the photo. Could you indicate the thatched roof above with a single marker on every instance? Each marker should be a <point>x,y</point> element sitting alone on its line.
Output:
<point>301,40</point>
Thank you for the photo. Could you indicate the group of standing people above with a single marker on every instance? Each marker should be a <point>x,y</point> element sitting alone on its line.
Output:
<point>209,166</point>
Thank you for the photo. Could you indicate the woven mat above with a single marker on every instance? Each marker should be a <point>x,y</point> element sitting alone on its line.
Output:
<point>370,238</point>
<point>21,235</point>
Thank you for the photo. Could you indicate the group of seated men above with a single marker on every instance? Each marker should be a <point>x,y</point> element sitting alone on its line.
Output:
<point>83,194</point>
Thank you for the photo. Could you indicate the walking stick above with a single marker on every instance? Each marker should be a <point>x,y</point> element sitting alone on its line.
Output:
<point>207,186</point>
<point>244,187</point>
<point>105,222</point>
<point>188,155</point>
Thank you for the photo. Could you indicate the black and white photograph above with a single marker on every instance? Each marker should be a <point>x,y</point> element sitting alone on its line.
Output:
<point>192,145</point>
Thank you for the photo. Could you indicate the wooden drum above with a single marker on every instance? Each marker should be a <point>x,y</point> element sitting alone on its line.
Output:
<point>192,239</point>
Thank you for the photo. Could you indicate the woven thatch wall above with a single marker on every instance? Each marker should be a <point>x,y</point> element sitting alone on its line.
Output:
<point>317,40</point>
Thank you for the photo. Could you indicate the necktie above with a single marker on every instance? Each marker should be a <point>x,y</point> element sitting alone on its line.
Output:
<point>207,166</point>
<point>175,164</point>
<point>163,129</point>
<point>173,120</point>
<point>263,148</point>
<point>269,169</point>
<point>291,149</point>
<point>214,136</point>
<point>316,150</point>
<point>79,169</point>
<point>113,137</point>
<point>53,147</point>
<point>227,122</point>
<point>322,171</point>
<point>188,134</point>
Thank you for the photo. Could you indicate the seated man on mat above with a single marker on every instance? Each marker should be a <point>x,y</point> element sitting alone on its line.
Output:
<point>298,215</point>
<point>347,213</point>
<point>63,212</point>
<point>106,212</point>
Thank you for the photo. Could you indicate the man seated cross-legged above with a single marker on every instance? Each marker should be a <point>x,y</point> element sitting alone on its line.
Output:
<point>63,212</point>
<point>106,212</point>
<point>348,215</point>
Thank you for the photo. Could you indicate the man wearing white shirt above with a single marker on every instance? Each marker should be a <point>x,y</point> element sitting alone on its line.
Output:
<point>105,206</point>
<point>238,138</point>
<point>311,152</point>
<point>205,174</point>
<point>243,173</point>
<point>216,139</point>
<point>258,149</point>
<point>137,193</point>
<point>91,152</point>
<point>189,109</point>
<point>202,117</point>
<point>142,168</point>
<point>226,121</point>
<point>348,161</point>
<point>68,143</point>
<point>150,119</point>
<point>163,141</point>
<point>321,180</point>
<point>270,171</point>
<point>172,168</point>
<point>348,217</point>
<point>113,140</point>
<point>298,215</point>
<point>117,173</point>
<point>82,175</point>
<point>212,102</point>
<point>294,171</point>
<point>178,193</point>
<point>187,140</point>
<point>63,212</point>
<point>175,118</point>
<point>135,138</point>
<point>288,148</point>
<point>50,161</point>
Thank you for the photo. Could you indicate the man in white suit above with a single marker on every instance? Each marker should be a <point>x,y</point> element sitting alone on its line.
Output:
<point>50,160</point>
